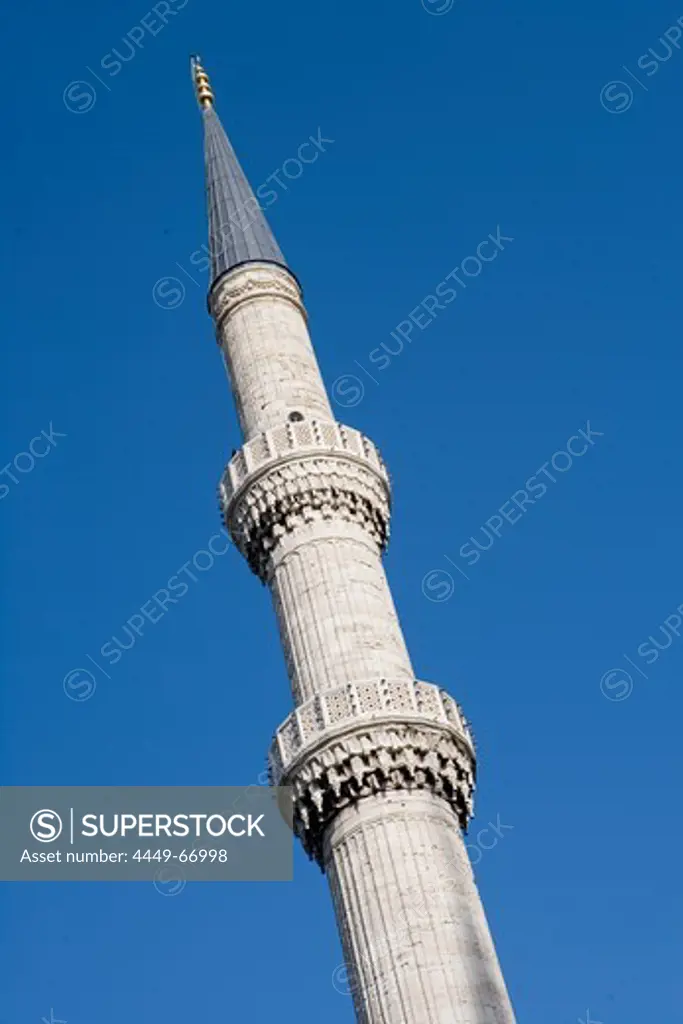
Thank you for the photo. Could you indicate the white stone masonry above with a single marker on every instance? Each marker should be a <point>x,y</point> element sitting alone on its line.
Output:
<point>381,765</point>
<point>261,325</point>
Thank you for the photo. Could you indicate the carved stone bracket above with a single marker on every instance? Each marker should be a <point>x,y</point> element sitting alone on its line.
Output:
<point>300,473</point>
<point>394,746</point>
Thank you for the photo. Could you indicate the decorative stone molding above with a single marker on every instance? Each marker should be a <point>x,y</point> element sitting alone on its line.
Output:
<point>302,472</point>
<point>346,704</point>
<point>294,439</point>
<point>372,737</point>
<point>252,281</point>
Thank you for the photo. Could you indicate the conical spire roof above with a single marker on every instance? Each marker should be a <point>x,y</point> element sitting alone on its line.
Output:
<point>238,231</point>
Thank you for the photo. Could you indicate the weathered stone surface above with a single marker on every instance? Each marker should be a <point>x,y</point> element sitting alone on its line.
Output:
<point>382,766</point>
<point>334,609</point>
<point>417,947</point>
<point>261,328</point>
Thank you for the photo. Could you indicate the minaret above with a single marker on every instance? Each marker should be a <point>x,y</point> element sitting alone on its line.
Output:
<point>381,764</point>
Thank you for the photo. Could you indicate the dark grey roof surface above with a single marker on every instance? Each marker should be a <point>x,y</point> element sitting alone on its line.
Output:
<point>238,231</point>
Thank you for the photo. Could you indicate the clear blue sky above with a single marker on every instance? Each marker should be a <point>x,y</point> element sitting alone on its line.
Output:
<point>445,127</point>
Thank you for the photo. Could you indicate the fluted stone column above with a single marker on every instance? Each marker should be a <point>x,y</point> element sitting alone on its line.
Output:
<point>334,609</point>
<point>382,765</point>
<point>413,929</point>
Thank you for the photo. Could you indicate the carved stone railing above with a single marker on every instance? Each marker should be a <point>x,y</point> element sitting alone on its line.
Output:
<point>355,702</point>
<point>301,472</point>
<point>292,440</point>
<point>366,738</point>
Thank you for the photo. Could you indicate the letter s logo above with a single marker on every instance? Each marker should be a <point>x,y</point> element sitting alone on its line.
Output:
<point>46,826</point>
<point>616,97</point>
<point>79,97</point>
<point>438,585</point>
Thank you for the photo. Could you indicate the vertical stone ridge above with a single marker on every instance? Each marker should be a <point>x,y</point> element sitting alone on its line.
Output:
<point>334,611</point>
<point>382,855</point>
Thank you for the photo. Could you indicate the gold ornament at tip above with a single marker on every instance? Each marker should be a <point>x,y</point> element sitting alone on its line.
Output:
<point>200,78</point>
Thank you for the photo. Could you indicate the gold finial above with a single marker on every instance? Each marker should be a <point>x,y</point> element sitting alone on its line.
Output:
<point>201,83</point>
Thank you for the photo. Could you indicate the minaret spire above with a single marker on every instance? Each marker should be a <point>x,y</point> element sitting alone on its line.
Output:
<point>381,763</point>
<point>238,231</point>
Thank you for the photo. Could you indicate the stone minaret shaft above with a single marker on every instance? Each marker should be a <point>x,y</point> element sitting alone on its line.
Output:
<point>381,764</point>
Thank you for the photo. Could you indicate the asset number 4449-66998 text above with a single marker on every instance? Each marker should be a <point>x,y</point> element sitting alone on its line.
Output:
<point>184,857</point>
